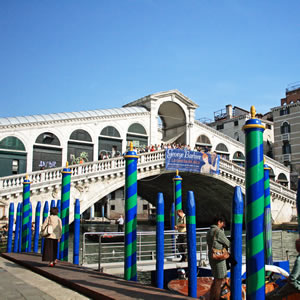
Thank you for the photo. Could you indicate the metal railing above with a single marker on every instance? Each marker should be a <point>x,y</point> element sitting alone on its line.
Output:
<point>100,252</point>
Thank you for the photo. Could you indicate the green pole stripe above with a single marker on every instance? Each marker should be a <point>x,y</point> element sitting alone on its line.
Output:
<point>131,202</point>
<point>254,174</point>
<point>11,213</point>
<point>191,219</point>
<point>256,281</point>
<point>256,244</point>
<point>254,140</point>
<point>129,225</point>
<point>25,220</point>
<point>131,179</point>
<point>160,218</point>
<point>37,214</point>
<point>238,218</point>
<point>267,183</point>
<point>66,196</point>
<point>178,194</point>
<point>255,209</point>
<point>77,216</point>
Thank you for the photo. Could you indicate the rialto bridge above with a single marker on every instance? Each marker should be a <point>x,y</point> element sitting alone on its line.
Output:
<point>40,145</point>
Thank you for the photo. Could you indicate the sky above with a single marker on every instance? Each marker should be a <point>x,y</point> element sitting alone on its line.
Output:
<point>64,56</point>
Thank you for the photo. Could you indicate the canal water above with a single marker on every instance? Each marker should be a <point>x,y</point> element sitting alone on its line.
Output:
<point>283,245</point>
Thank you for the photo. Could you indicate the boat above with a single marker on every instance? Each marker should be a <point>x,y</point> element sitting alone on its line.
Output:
<point>180,286</point>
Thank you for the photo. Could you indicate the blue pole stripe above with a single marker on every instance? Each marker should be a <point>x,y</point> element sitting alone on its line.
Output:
<point>253,230</point>
<point>253,158</point>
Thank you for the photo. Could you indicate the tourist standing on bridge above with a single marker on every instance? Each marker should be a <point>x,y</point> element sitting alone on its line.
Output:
<point>120,222</point>
<point>217,239</point>
<point>181,227</point>
<point>50,245</point>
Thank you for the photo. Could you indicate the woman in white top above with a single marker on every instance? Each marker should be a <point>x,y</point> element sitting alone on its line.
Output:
<point>50,244</point>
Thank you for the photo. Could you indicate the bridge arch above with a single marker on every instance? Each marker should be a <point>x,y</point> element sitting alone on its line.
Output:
<point>239,158</point>
<point>222,150</point>
<point>203,142</point>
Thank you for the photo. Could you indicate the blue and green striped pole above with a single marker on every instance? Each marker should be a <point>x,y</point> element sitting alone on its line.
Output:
<point>268,217</point>
<point>76,233</point>
<point>191,243</point>
<point>29,228</point>
<point>65,209</point>
<point>20,229</point>
<point>37,227</point>
<point>172,220</point>
<point>58,205</point>
<point>237,242</point>
<point>160,223</point>
<point>177,192</point>
<point>25,215</point>
<point>130,268</point>
<point>45,215</point>
<point>17,229</point>
<point>255,257</point>
<point>10,227</point>
<point>52,204</point>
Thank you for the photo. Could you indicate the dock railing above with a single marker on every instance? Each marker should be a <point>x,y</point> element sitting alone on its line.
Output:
<point>106,249</point>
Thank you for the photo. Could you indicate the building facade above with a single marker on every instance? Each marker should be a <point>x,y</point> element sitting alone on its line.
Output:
<point>287,132</point>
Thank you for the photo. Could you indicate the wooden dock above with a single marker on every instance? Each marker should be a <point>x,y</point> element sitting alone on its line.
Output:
<point>89,282</point>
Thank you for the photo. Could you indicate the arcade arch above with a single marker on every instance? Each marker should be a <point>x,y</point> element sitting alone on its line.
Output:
<point>47,152</point>
<point>203,143</point>
<point>110,142</point>
<point>13,156</point>
<point>80,147</point>
<point>239,158</point>
<point>222,150</point>
<point>173,120</point>
<point>137,135</point>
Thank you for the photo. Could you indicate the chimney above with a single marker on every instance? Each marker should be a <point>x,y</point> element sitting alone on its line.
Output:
<point>228,111</point>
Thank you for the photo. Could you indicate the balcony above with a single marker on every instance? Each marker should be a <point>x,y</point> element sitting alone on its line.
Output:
<point>285,137</point>
<point>286,157</point>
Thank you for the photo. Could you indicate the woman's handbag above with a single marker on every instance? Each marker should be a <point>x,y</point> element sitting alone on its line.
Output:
<point>219,254</point>
<point>48,229</point>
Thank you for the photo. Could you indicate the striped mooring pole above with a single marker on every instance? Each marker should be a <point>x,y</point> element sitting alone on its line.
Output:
<point>268,217</point>
<point>65,210</point>
<point>45,215</point>
<point>177,182</point>
<point>76,233</point>
<point>30,228</point>
<point>52,203</point>
<point>10,227</point>
<point>237,243</point>
<point>17,229</point>
<point>25,215</point>
<point>255,257</point>
<point>20,229</point>
<point>191,244</point>
<point>37,227</point>
<point>130,268</point>
<point>172,221</point>
<point>160,224</point>
<point>58,205</point>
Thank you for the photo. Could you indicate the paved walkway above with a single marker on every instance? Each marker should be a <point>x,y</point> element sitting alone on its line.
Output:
<point>90,283</point>
<point>17,283</point>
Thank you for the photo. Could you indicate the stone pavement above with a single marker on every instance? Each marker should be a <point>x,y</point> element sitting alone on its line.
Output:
<point>17,283</point>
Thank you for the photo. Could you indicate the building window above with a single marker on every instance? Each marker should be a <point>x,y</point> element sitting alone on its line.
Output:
<point>112,207</point>
<point>221,126</point>
<point>236,123</point>
<point>145,206</point>
<point>268,126</point>
<point>284,111</point>
<point>286,148</point>
<point>285,128</point>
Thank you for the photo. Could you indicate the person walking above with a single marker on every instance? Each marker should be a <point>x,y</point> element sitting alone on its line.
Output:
<point>217,239</point>
<point>120,222</point>
<point>50,244</point>
<point>181,228</point>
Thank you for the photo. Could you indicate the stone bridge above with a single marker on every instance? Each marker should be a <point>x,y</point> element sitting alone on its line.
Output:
<point>92,181</point>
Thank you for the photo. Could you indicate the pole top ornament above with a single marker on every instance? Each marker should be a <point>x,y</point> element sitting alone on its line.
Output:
<point>253,112</point>
<point>131,146</point>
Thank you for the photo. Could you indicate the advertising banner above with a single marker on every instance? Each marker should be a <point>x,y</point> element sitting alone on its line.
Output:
<point>192,161</point>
